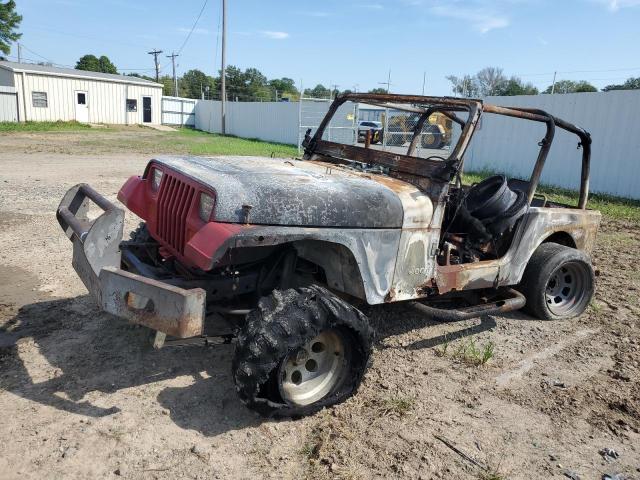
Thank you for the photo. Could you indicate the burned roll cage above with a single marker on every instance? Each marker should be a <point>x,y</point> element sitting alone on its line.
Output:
<point>426,106</point>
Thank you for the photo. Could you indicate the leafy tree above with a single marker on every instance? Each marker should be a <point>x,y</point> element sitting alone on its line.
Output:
<point>9,23</point>
<point>319,91</point>
<point>515,86</point>
<point>466,86</point>
<point>286,87</point>
<point>378,90</point>
<point>92,63</point>
<point>630,84</point>
<point>167,85</point>
<point>194,82</point>
<point>106,66</point>
<point>89,63</point>
<point>569,86</point>
<point>489,80</point>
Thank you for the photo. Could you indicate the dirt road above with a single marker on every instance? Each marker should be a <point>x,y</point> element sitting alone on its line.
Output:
<point>83,395</point>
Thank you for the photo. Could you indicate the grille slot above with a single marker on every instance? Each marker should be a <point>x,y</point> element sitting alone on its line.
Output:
<point>174,199</point>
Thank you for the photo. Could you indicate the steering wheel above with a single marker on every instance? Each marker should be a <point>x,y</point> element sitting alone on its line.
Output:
<point>436,157</point>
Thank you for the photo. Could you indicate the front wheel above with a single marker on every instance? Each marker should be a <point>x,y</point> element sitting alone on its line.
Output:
<point>301,350</point>
<point>558,282</point>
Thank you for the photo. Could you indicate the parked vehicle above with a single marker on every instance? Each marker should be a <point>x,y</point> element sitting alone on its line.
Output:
<point>370,126</point>
<point>276,255</point>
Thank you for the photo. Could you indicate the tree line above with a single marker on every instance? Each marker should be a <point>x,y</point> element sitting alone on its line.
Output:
<point>493,81</point>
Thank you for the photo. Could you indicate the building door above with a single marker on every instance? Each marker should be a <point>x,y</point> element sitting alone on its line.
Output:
<point>82,107</point>
<point>146,109</point>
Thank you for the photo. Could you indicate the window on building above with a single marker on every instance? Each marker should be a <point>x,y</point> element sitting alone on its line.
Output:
<point>132,105</point>
<point>39,99</point>
<point>82,98</point>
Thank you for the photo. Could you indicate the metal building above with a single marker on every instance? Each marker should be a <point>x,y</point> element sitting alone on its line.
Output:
<point>45,93</point>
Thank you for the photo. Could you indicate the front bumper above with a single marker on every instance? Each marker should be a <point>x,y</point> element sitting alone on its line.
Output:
<point>96,258</point>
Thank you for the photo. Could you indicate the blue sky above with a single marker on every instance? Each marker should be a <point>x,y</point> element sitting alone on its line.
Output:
<point>350,43</point>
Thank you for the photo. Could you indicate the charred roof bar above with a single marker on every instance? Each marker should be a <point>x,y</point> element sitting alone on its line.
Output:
<point>447,106</point>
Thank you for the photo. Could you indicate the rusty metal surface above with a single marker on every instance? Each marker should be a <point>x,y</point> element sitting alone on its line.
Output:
<point>510,301</point>
<point>151,303</point>
<point>96,259</point>
<point>537,225</point>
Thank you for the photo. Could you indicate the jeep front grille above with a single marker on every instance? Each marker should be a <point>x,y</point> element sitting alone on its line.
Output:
<point>174,200</point>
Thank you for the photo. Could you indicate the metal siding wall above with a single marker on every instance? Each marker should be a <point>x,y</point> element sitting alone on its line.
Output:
<point>269,121</point>
<point>613,118</point>
<point>106,99</point>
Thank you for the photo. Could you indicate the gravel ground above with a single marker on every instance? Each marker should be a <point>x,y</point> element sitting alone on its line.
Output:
<point>84,396</point>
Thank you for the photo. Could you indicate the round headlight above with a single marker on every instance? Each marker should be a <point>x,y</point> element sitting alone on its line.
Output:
<point>156,177</point>
<point>205,207</point>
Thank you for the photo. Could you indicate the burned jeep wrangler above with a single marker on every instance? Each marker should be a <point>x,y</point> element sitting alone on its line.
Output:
<point>276,255</point>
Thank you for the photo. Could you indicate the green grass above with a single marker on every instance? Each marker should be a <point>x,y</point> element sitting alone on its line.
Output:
<point>609,205</point>
<point>203,143</point>
<point>58,126</point>
<point>473,354</point>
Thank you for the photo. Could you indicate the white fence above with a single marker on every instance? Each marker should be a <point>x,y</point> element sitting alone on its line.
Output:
<point>178,111</point>
<point>510,145</point>
<point>270,121</point>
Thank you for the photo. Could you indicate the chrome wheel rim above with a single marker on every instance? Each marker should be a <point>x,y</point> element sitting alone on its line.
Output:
<point>565,289</point>
<point>312,371</point>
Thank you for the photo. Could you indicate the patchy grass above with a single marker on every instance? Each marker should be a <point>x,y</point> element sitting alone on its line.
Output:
<point>58,126</point>
<point>399,406</point>
<point>441,351</point>
<point>472,354</point>
<point>609,205</point>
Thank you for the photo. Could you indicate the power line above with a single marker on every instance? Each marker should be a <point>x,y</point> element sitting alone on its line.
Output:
<point>37,54</point>
<point>193,27</point>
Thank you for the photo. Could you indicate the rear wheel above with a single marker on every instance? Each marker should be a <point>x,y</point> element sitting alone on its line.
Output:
<point>558,282</point>
<point>301,350</point>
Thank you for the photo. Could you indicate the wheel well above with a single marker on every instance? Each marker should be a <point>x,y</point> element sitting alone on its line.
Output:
<point>562,238</point>
<point>337,262</point>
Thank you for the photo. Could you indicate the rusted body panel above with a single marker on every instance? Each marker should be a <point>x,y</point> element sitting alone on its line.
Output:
<point>537,225</point>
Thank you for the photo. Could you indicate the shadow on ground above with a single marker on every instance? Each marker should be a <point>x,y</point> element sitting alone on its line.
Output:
<point>92,351</point>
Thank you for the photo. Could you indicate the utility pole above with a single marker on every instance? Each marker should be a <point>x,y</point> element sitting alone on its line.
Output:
<point>155,54</point>
<point>223,73</point>
<point>19,53</point>
<point>388,82</point>
<point>424,81</point>
<point>553,86</point>
<point>335,87</point>
<point>175,79</point>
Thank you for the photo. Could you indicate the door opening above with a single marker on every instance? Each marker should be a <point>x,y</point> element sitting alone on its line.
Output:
<point>82,107</point>
<point>146,109</point>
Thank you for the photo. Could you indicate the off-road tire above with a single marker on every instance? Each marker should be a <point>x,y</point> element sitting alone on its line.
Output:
<point>281,324</point>
<point>545,264</point>
<point>437,141</point>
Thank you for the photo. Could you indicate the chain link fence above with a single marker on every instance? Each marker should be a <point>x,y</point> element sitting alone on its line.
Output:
<point>343,127</point>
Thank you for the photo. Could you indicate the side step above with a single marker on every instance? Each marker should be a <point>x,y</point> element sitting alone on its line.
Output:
<point>514,301</point>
